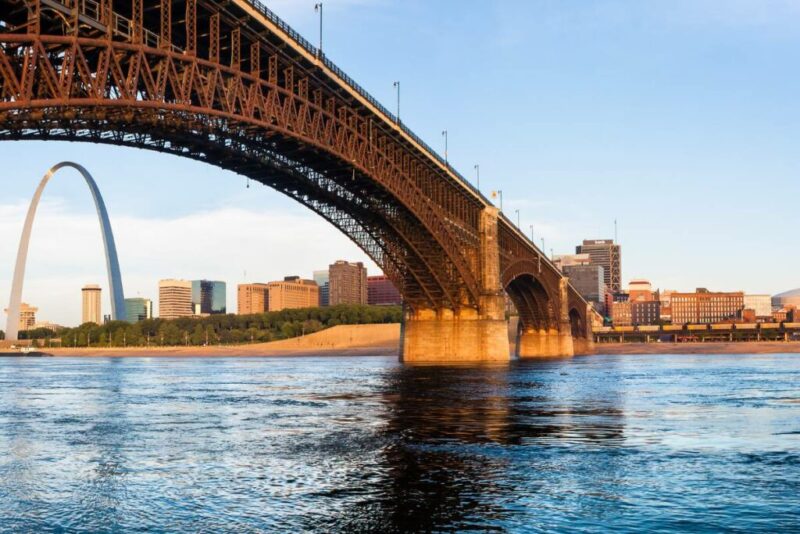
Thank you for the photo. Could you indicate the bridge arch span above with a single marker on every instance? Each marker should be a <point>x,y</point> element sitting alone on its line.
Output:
<point>112,262</point>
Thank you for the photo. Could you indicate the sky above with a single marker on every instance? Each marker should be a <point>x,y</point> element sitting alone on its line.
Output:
<point>678,118</point>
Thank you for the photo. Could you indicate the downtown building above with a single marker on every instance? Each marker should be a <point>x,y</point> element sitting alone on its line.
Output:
<point>382,292</point>
<point>209,297</point>
<point>252,299</point>
<point>322,278</point>
<point>608,255</point>
<point>589,282</point>
<point>138,309</point>
<point>348,283</point>
<point>90,304</point>
<point>27,316</point>
<point>704,307</point>
<point>292,293</point>
<point>174,299</point>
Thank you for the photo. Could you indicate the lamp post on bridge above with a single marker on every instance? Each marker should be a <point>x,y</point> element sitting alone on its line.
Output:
<point>478,173</point>
<point>397,86</point>
<point>444,134</point>
<point>532,241</point>
<point>518,226</point>
<point>318,9</point>
<point>498,193</point>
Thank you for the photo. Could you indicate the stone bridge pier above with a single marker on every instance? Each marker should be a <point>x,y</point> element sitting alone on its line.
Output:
<point>555,340</point>
<point>467,334</point>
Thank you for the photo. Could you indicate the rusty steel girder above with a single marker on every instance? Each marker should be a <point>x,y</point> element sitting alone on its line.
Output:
<point>218,82</point>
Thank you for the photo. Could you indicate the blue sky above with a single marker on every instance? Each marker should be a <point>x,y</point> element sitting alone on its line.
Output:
<point>678,118</point>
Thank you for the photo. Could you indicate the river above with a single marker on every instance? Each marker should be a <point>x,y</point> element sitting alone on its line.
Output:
<point>624,443</point>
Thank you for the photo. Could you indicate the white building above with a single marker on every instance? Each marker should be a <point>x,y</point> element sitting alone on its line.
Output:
<point>761,304</point>
<point>174,299</point>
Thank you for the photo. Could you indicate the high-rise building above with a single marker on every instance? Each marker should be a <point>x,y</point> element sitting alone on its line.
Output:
<point>640,291</point>
<point>138,309</point>
<point>382,292</point>
<point>208,297</point>
<point>703,306</point>
<point>589,282</point>
<point>174,299</point>
<point>293,292</point>
<point>608,255</point>
<point>568,260</point>
<point>322,279</point>
<point>27,316</point>
<point>348,283</point>
<point>252,299</point>
<point>90,310</point>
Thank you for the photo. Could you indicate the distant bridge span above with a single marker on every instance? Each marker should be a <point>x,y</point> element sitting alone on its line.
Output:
<point>229,83</point>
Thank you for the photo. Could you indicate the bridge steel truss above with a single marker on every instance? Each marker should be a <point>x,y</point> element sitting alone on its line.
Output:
<point>228,83</point>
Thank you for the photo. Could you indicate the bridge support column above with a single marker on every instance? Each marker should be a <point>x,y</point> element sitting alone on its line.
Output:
<point>554,342</point>
<point>467,334</point>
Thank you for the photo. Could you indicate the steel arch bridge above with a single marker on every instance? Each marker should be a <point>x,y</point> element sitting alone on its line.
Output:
<point>229,83</point>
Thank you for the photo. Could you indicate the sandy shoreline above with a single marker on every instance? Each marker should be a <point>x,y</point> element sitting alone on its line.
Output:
<point>384,340</point>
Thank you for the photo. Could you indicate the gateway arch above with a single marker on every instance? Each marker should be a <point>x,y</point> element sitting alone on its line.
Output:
<point>112,263</point>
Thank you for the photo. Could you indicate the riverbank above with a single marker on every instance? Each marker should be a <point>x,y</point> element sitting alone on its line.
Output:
<point>761,347</point>
<point>343,340</point>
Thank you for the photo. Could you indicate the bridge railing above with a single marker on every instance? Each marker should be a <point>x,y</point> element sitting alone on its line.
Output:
<point>310,48</point>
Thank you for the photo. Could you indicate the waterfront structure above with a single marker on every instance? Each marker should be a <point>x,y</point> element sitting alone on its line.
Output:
<point>209,297</point>
<point>238,88</point>
<point>704,306</point>
<point>174,299</point>
<point>112,263</point>
<point>138,309</point>
<point>348,283</point>
<point>787,298</point>
<point>322,278</point>
<point>622,313</point>
<point>26,317</point>
<point>252,299</point>
<point>293,292</point>
<point>381,292</point>
<point>608,255</point>
<point>47,325</point>
<point>91,304</point>
<point>761,306</point>
<point>640,291</point>
<point>645,312</point>
<point>589,281</point>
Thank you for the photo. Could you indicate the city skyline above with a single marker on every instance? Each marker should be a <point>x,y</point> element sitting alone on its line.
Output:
<point>651,137</point>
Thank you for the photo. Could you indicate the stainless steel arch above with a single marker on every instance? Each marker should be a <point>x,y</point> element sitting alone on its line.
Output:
<point>112,263</point>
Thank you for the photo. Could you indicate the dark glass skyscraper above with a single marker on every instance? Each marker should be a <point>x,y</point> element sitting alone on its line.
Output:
<point>208,297</point>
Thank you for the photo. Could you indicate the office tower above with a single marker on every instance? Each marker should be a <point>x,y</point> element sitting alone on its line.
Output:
<point>568,260</point>
<point>589,282</point>
<point>323,281</point>
<point>381,292</point>
<point>138,309</point>
<point>252,298</point>
<point>348,283</point>
<point>208,297</point>
<point>293,292</point>
<point>608,255</point>
<point>90,310</point>
<point>174,299</point>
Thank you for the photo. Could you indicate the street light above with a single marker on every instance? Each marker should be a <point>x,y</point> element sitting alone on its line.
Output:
<point>397,86</point>
<point>444,134</point>
<point>543,245</point>
<point>498,193</point>
<point>478,172</point>
<point>318,8</point>
<point>517,218</point>
<point>532,241</point>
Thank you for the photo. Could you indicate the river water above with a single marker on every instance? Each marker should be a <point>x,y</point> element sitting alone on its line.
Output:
<point>633,443</point>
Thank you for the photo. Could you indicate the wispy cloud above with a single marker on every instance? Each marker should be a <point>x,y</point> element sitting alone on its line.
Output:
<point>230,244</point>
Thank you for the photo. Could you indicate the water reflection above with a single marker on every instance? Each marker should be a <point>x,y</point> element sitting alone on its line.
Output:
<point>366,445</point>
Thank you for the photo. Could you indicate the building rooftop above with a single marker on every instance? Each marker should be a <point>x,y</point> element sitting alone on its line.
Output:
<point>790,293</point>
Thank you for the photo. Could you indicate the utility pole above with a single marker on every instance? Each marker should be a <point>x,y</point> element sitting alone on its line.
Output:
<point>397,86</point>
<point>318,8</point>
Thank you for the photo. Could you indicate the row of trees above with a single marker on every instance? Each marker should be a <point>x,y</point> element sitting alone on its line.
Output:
<point>216,329</point>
